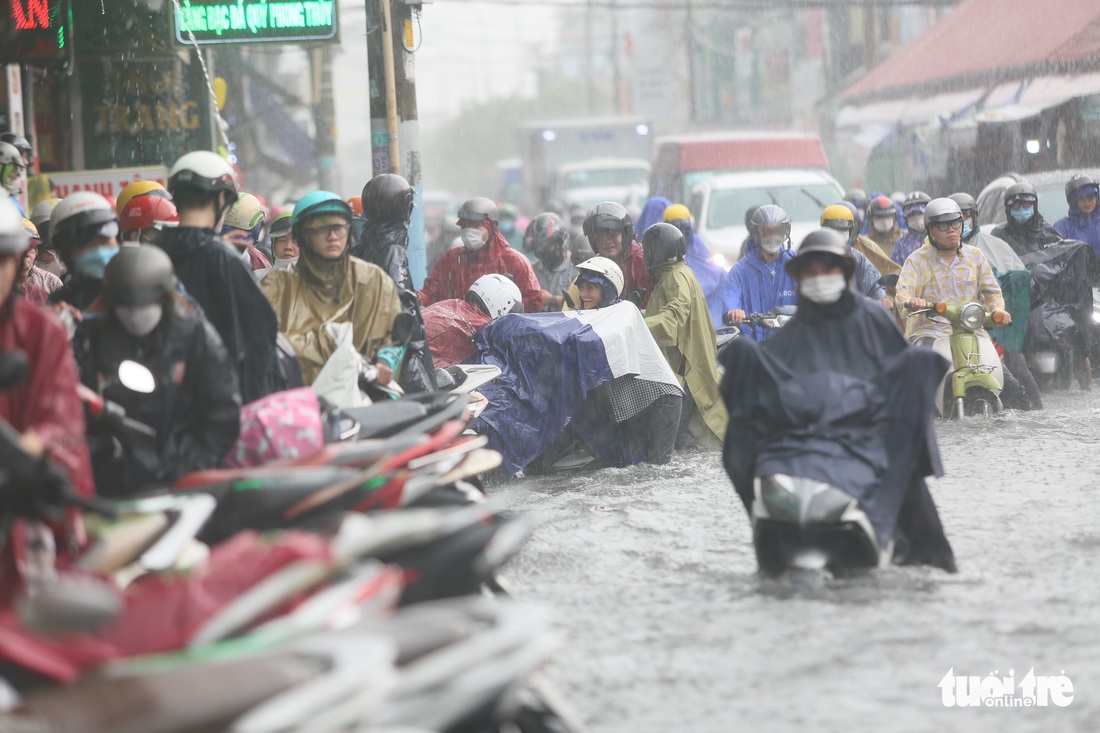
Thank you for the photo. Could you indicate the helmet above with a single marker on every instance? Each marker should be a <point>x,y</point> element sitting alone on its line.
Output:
<point>479,209</point>
<point>966,202</point>
<point>497,294</point>
<point>79,217</point>
<point>9,156</point>
<point>941,210</point>
<point>148,212</point>
<point>509,210</point>
<point>607,268</point>
<point>319,202</point>
<point>41,213</point>
<point>280,225</point>
<point>769,217</point>
<point>205,171</point>
<point>544,231</point>
<point>139,274</point>
<point>388,197</point>
<point>1075,184</point>
<point>857,196</point>
<point>246,213</point>
<point>582,249</point>
<point>881,206</point>
<point>13,237</point>
<point>30,229</point>
<point>139,188</point>
<point>661,243</point>
<point>822,242</point>
<point>18,142</point>
<point>609,216</point>
<point>838,216</point>
<point>915,202</point>
<point>676,212</point>
<point>356,204</point>
<point>1022,190</point>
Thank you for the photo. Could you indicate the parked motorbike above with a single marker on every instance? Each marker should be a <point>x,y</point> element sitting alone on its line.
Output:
<point>977,376</point>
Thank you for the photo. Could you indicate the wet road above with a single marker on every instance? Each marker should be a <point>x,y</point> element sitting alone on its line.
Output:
<point>652,576</point>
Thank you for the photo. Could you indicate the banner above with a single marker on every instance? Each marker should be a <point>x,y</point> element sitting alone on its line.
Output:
<point>108,182</point>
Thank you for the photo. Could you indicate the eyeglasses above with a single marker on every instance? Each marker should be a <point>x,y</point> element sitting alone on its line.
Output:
<point>328,231</point>
<point>1021,203</point>
<point>946,226</point>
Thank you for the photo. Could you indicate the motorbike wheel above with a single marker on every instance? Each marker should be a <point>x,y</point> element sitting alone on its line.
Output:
<point>981,403</point>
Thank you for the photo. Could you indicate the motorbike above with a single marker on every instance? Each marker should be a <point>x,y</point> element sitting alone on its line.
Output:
<point>976,378</point>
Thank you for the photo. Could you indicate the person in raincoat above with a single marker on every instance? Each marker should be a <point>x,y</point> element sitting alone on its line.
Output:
<point>384,241</point>
<point>867,279</point>
<point>203,187</point>
<point>652,212</point>
<point>679,320</point>
<point>547,239</point>
<point>610,231</point>
<point>712,277</point>
<point>84,230</point>
<point>759,281</point>
<point>244,223</point>
<point>787,414</point>
<point>884,229</point>
<point>1083,220</point>
<point>484,251</point>
<point>329,286</point>
<point>452,323</point>
<point>913,239</point>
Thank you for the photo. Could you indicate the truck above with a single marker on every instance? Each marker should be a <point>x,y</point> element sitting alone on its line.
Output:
<point>585,161</point>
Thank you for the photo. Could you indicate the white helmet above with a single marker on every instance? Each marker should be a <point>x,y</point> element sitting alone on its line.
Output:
<point>498,294</point>
<point>42,212</point>
<point>9,156</point>
<point>80,216</point>
<point>14,239</point>
<point>205,171</point>
<point>607,268</point>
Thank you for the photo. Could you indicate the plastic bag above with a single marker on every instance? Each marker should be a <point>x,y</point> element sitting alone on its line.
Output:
<point>338,380</point>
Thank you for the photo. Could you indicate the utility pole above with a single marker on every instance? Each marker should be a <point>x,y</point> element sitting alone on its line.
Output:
<point>395,127</point>
<point>324,116</point>
<point>689,47</point>
<point>589,88</point>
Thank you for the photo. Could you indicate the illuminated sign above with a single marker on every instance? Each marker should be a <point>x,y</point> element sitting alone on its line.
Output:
<point>255,21</point>
<point>35,31</point>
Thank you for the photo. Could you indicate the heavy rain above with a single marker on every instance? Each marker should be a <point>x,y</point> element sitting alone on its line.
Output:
<point>551,366</point>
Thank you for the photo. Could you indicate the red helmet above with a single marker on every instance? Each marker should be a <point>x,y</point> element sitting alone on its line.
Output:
<point>148,212</point>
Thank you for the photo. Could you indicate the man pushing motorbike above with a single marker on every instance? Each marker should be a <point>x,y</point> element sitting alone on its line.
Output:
<point>836,399</point>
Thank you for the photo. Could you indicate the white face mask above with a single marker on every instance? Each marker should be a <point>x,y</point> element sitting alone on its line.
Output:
<point>473,239</point>
<point>882,224</point>
<point>771,245</point>
<point>284,264</point>
<point>140,321</point>
<point>916,222</point>
<point>823,288</point>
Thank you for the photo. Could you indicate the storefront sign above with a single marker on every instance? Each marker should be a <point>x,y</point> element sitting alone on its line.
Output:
<point>35,31</point>
<point>220,21</point>
<point>109,182</point>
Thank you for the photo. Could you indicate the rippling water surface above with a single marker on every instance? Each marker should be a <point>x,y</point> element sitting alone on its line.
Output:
<point>652,575</point>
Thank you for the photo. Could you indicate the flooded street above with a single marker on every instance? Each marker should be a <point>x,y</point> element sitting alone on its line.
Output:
<point>652,576</point>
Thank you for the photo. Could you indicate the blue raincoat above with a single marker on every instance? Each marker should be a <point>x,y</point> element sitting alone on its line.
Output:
<point>756,287</point>
<point>652,213</point>
<point>1079,226</point>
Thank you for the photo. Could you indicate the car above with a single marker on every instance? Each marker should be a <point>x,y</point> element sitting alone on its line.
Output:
<point>720,205</point>
<point>1050,187</point>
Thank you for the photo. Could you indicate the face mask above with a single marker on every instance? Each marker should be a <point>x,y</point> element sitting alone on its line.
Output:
<point>771,245</point>
<point>1022,215</point>
<point>916,222</point>
<point>55,267</point>
<point>13,183</point>
<point>823,288</point>
<point>507,227</point>
<point>967,227</point>
<point>473,239</point>
<point>93,262</point>
<point>285,264</point>
<point>882,225</point>
<point>140,320</point>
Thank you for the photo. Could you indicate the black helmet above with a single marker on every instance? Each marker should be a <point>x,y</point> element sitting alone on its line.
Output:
<point>914,201</point>
<point>138,275</point>
<point>545,231</point>
<point>1023,191</point>
<point>822,243</point>
<point>769,217</point>
<point>661,243</point>
<point>478,209</point>
<point>881,206</point>
<point>857,196</point>
<point>1075,184</point>
<point>609,216</point>
<point>387,197</point>
<point>18,141</point>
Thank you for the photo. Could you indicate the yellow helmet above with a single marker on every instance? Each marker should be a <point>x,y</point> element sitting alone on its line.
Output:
<point>139,188</point>
<point>838,213</point>
<point>30,228</point>
<point>246,213</point>
<point>676,212</point>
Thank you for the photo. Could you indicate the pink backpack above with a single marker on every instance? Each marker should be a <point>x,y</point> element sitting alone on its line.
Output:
<point>282,426</point>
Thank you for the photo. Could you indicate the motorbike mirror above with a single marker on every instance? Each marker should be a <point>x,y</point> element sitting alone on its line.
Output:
<point>135,377</point>
<point>13,368</point>
<point>70,603</point>
<point>786,310</point>
<point>404,326</point>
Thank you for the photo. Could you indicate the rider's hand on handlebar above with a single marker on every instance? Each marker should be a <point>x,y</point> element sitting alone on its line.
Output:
<point>385,374</point>
<point>917,304</point>
<point>1002,318</point>
<point>31,444</point>
<point>734,317</point>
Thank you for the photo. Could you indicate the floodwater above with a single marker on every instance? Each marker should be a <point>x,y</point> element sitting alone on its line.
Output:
<point>652,576</point>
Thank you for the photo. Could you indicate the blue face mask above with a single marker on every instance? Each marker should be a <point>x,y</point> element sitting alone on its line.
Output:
<point>967,228</point>
<point>92,263</point>
<point>1023,214</point>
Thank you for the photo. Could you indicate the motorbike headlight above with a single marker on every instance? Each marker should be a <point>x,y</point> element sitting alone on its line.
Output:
<point>972,316</point>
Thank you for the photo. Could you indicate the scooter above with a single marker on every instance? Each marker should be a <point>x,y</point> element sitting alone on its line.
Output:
<point>977,376</point>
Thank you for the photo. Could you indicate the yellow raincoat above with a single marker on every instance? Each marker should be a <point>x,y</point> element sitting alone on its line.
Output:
<point>679,320</point>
